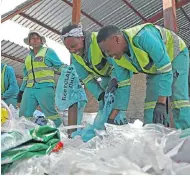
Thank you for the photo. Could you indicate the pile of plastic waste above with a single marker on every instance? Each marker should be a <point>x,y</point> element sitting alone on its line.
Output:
<point>127,149</point>
<point>34,146</point>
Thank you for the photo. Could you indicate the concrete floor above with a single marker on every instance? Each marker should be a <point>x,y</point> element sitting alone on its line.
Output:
<point>136,104</point>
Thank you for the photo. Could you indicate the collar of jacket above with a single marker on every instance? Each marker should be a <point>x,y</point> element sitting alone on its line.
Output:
<point>87,41</point>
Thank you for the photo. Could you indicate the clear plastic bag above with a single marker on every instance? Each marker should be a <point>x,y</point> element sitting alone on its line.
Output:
<point>11,140</point>
<point>23,124</point>
<point>182,154</point>
<point>116,150</point>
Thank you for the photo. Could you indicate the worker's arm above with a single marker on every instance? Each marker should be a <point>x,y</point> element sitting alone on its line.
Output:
<point>189,81</point>
<point>52,60</point>
<point>149,40</point>
<point>122,93</point>
<point>23,86</point>
<point>88,80</point>
<point>13,86</point>
<point>25,78</point>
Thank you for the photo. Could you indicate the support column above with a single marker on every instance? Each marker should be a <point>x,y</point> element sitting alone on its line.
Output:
<point>170,22</point>
<point>169,14</point>
<point>76,13</point>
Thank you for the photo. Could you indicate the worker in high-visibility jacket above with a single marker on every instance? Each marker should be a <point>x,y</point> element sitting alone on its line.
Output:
<point>9,86</point>
<point>38,82</point>
<point>189,81</point>
<point>164,57</point>
<point>91,64</point>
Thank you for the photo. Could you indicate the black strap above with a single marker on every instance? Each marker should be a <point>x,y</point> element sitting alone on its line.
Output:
<point>102,64</point>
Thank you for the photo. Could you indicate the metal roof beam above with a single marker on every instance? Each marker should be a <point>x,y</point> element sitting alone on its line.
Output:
<point>12,57</point>
<point>135,10</point>
<point>185,14</point>
<point>14,13</point>
<point>39,23</point>
<point>159,15</point>
<point>85,14</point>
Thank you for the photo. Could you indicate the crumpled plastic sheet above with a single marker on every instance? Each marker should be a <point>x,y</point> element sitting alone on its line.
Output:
<point>16,123</point>
<point>128,149</point>
<point>23,124</point>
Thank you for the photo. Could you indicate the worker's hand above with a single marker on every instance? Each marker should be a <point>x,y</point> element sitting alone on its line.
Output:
<point>41,120</point>
<point>159,114</point>
<point>101,96</point>
<point>117,122</point>
<point>18,105</point>
<point>112,86</point>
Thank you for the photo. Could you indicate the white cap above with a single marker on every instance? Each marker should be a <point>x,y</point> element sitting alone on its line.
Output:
<point>26,40</point>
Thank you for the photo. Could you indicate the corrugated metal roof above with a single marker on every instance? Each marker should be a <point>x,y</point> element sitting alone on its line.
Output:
<point>56,13</point>
<point>110,12</point>
<point>53,13</point>
<point>14,50</point>
<point>49,17</point>
<point>46,12</point>
<point>16,8</point>
<point>184,24</point>
<point>34,26</point>
<point>147,8</point>
<point>14,55</point>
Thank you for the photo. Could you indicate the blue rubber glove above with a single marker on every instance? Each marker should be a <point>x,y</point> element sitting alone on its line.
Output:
<point>41,120</point>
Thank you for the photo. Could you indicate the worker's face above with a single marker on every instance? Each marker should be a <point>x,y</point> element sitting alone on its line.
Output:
<point>75,45</point>
<point>35,41</point>
<point>112,47</point>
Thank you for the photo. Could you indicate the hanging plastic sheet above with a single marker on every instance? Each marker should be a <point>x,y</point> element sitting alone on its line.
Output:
<point>102,116</point>
<point>70,91</point>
